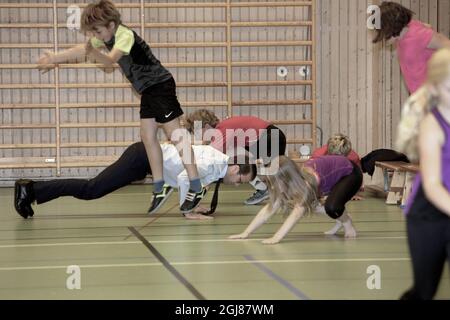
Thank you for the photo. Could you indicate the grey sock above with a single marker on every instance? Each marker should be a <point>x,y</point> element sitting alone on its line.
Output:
<point>196,185</point>
<point>158,186</point>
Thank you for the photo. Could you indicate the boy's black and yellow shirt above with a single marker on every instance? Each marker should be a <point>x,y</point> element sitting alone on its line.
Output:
<point>138,63</point>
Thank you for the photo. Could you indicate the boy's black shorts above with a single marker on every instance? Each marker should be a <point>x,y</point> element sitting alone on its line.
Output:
<point>160,102</point>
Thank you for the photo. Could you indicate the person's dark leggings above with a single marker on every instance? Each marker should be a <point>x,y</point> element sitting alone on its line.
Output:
<point>343,192</point>
<point>131,166</point>
<point>368,161</point>
<point>429,246</point>
<point>265,141</point>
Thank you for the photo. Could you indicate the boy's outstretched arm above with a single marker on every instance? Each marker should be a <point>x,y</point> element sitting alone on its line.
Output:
<point>107,59</point>
<point>49,59</point>
<point>291,220</point>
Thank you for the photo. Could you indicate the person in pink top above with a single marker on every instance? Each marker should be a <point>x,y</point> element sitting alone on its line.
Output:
<point>338,144</point>
<point>414,40</point>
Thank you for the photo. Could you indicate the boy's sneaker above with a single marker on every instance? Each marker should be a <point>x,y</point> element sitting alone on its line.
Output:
<point>258,197</point>
<point>160,198</point>
<point>192,200</point>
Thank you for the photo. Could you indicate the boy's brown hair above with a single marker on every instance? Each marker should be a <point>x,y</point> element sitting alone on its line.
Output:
<point>100,13</point>
<point>394,17</point>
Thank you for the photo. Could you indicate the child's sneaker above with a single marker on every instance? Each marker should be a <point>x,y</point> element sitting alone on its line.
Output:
<point>160,198</point>
<point>258,197</point>
<point>192,200</point>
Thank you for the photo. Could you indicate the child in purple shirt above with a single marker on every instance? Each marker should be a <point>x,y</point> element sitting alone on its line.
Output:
<point>329,169</point>
<point>299,189</point>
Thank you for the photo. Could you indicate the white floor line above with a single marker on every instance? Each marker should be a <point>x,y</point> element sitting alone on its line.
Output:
<point>105,243</point>
<point>196,263</point>
<point>34,245</point>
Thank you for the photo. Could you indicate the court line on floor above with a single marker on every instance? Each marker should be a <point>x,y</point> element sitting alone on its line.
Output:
<point>309,236</point>
<point>183,224</point>
<point>310,222</point>
<point>33,245</point>
<point>167,264</point>
<point>156,217</point>
<point>299,294</point>
<point>199,263</point>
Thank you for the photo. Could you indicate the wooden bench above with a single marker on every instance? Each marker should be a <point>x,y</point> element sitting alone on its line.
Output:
<point>411,170</point>
<point>389,179</point>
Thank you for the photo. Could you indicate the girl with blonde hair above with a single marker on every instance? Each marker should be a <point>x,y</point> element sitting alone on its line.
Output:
<point>424,134</point>
<point>338,144</point>
<point>298,190</point>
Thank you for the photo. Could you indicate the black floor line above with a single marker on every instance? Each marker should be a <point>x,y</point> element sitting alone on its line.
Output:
<point>167,265</point>
<point>154,218</point>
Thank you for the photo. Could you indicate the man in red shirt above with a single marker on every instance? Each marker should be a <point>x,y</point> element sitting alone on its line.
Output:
<point>260,138</point>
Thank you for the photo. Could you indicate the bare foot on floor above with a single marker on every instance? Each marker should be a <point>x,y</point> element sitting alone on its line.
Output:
<point>338,226</point>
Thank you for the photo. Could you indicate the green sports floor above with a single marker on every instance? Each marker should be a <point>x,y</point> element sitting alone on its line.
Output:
<point>122,253</point>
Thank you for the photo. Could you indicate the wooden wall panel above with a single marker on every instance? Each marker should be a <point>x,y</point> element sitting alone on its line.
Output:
<point>109,117</point>
<point>344,57</point>
<point>359,88</point>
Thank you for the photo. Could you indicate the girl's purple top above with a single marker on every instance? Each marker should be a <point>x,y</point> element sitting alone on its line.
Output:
<point>330,169</point>
<point>445,161</point>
